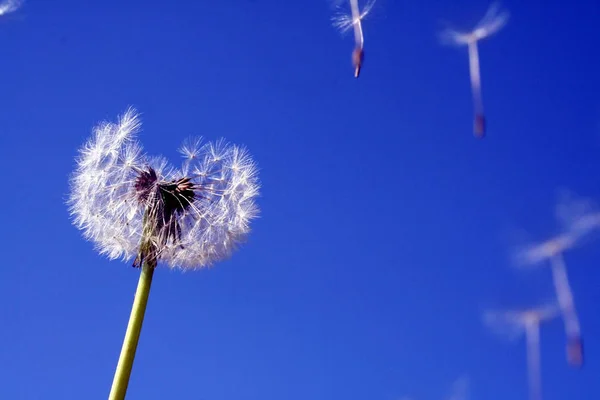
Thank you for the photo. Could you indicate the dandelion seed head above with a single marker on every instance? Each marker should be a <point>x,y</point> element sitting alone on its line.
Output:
<point>190,150</point>
<point>533,255</point>
<point>343,20</point>
<point>452,37</point>
<point>491,23</point>
<point>512,323</point>
<point>190,217</point>
<point>9,6</point>
<point>577,217</point>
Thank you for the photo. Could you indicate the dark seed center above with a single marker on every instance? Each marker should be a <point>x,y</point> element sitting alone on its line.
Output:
<point>163,202</point>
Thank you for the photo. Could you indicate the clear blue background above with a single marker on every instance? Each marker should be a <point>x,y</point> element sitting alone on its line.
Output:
<point>386,226</point>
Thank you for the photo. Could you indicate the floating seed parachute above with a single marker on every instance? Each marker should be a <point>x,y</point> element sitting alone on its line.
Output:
<point>528,321</point>
<point>344,21</point>
<point>491,23</point>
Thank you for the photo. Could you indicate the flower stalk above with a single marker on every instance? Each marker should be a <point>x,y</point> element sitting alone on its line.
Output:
<point>147,260</point>
<point>132,335</point>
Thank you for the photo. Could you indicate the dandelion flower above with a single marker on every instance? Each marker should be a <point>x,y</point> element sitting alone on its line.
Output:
<point>9,6</point>
<point>513,324</point>
<point>141,208</point>
<point>579,220</point>
<point>491,23</point>
<point>343,21</point>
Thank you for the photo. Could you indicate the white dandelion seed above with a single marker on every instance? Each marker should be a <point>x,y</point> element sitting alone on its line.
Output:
<point>344,20</point>
<point>513,324</point>
<point>491,23</point>
<point>10,6</point>
<point>135,206</point>
<point>579,219</point>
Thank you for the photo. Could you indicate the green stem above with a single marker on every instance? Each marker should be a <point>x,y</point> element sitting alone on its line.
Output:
<point>121,379</point>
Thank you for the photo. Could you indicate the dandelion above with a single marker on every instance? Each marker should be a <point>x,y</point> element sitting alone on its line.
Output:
<point>513,324</point>
<point>141,208</point>
<point>10,6</point>
<point>578,219</point>
<point>491,23</point>
<point>343,21</point>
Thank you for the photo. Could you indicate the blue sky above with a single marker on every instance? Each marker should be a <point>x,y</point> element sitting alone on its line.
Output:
<point>386,226</point>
